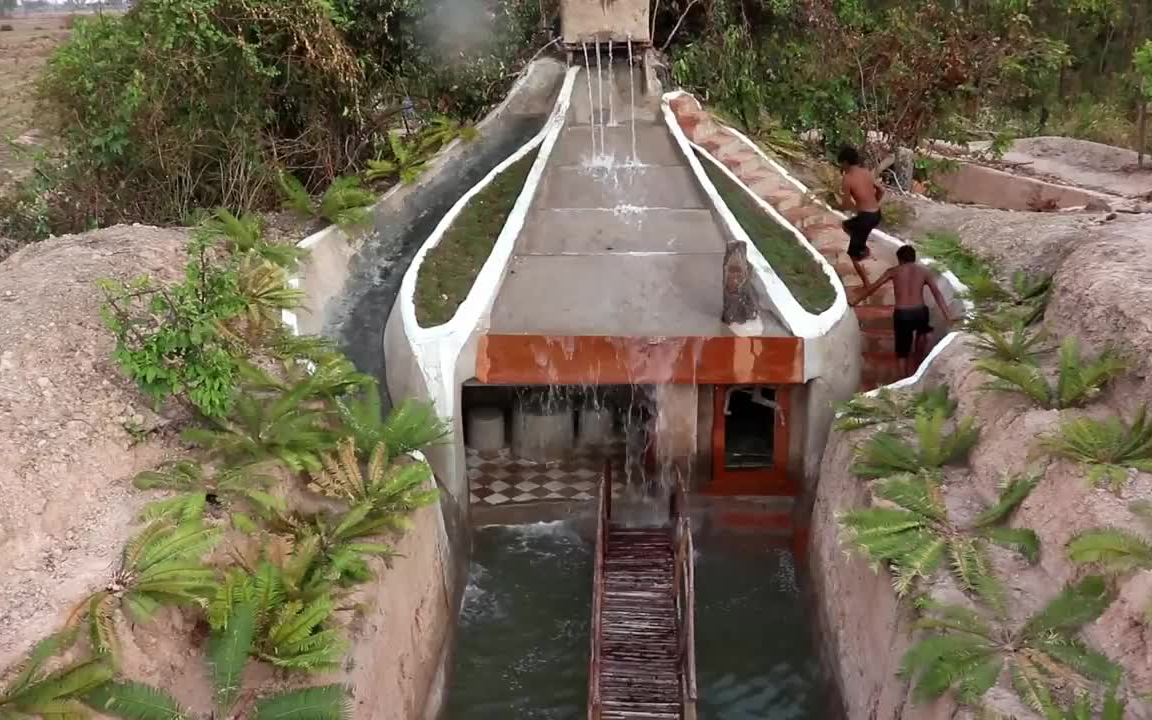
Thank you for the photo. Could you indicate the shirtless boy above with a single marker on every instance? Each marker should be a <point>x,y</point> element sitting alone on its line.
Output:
<point>860,192</point>
<point>910,318</point>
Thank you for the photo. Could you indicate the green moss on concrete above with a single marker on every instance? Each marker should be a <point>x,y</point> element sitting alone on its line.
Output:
<point>793,262</point>
<point>449,270</point>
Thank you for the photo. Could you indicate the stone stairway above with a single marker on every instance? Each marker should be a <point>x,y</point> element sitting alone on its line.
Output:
<point>818,224</point>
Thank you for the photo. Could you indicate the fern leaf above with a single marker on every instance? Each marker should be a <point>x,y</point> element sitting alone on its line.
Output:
<point>380,170</point>
<point>295,621</point>
<point>102,623</point>
<point>40,654</point>
<point>134,701</point>
<point>1020,540</point>
<point>182,508</point>
<point>63,684</point>
<point>1075,655</point>
<point>296,197</point>
<point>185,541</point>
<point>267,591</point>
<point>885,454</point>
<point>1032,688</point>
<point>1075,606</point>
<point>973,569</point>
<point>327,702</point>
<point>981,675</point>
<point>1117,550</point>
<point>412,425</point>
<point>233,591</point>
<point>939,662</point>
<point>228,651</point>
<point>1021,378</point>
<point>1012,494</point>
<point>921,561</point>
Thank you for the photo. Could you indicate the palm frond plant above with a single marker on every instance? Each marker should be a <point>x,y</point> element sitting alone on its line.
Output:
<point>252,616</point>
<point>35,690</point>
<point>283,344</point>
<point>346,203</point>
<point>270,425</point>
<point>245,234</point>
<point>1114,549</point>
<point>160,566</point>
<point>964,650</point>
<point>332,550</point>
<point>888,453</point>
<point>137,701</point>
<point>264,289</point>
<point>1030,295</point>
<point>892,407</point>
<point>411,425</point>
<point>1078,380</point>
<point>1016,344</point>
<point>916,535</point>
<point>330,376</point>
<point>1107,448</point>
<point>199,489</point>
<point>395,489</point>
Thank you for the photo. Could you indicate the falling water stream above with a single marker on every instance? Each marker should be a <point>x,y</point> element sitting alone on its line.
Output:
<point>632,101</point>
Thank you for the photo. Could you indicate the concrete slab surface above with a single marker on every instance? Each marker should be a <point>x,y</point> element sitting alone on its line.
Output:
<point>580,187</point>
<point>601,230</point>
<point>654,144</point>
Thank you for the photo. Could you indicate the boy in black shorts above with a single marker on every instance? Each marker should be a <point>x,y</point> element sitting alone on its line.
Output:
<point>910,316</point>
<point>860,191</point>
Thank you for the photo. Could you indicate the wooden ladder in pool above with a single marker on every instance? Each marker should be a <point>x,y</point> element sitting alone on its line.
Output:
<point>643,663</point>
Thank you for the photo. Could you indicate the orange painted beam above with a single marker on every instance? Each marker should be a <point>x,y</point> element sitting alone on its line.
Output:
<point>602,360</point>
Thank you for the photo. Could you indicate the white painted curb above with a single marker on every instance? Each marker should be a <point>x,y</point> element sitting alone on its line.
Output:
<point>437,349</point>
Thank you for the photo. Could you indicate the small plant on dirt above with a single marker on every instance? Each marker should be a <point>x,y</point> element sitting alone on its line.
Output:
<point>333,550</point>
<point>1108,448</point>
<point>412,425</point>
<point>169,339</point>
<point>345,203</point>
<point>888,453</point>
<point>160,566</point>
<point>967,651</point>
<point>200,489</point>
<point>36,691</point>
<point>1116,550</point>
<point>1078,380</point>
<point>916,535</point>
<point>332,377</point>
<point>391,490</point>
<point>891,407</point>
<point>137,701</point>
<point>1016,345</point>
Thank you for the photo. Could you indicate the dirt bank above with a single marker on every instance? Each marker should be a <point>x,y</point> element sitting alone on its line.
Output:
<point>1082,163</point>
<point>68,424</point>
<point>73,433</point>
<point>1101,296</point>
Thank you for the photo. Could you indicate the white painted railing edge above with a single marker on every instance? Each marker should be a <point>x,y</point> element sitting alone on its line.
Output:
<point>828,318</point>
<point>798,321</point>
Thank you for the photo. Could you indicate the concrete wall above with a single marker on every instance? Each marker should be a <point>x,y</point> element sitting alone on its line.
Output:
<point>979,185</point>
<point>616,20</point>
<point>351,283</point>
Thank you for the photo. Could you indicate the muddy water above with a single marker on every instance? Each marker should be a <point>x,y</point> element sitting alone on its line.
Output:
<point>523,643</point>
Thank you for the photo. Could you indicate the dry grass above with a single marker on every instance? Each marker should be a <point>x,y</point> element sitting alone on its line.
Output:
<point>24,51</point>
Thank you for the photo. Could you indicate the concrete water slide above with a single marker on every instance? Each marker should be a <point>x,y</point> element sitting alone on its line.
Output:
<point>623,243</point>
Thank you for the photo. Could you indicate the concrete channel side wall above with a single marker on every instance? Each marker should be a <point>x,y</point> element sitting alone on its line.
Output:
<point>832,356</point>
<point>979,185</point>
<point>351,283</point>
<point>433,363</point>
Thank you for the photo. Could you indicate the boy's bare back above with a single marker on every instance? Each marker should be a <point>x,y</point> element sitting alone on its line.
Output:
<point>909,281</point>
<point>861,187</point>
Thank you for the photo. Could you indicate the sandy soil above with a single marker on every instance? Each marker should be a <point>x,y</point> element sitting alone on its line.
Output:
<point>23,52</point>
<point>66,453</point>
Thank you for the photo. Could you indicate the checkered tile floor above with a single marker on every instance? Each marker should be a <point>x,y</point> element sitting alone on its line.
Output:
<point>498,478</point>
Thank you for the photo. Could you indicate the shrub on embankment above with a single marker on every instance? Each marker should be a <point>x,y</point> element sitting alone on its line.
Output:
<point>178,105</point>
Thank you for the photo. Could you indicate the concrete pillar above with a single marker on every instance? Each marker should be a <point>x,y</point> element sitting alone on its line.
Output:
<point>486,429</point>
<point>542,432</point>
<point>595,426</point>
